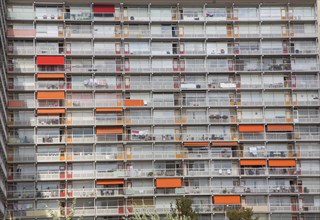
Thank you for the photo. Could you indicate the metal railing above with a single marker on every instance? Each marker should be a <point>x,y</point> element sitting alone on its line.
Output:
<point>103,84</point>
<point>163,102</point>
<point>202,15</point>
<point>188,190</point>
<point>147,66</point>
<point>151,172</point>
<point>154,155</point>
<point>163,209</point>
<point>170,137</point>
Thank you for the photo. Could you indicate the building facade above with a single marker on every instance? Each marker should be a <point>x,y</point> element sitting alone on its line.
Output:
<point>129,106</point>
<point>3,115</point>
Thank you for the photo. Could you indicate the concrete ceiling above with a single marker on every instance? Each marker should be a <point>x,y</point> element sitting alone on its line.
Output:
<point>170,2</point>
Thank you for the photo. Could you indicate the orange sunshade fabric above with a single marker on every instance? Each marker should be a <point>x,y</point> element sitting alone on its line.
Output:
<point>280,127</point>
<point>196,144</point>
<point>133,102</point>
<point>109,130</point>
<point>227,199</point>
<point>110,182</point>
<point>168,183</point>
<point>282,163</point>
<point>251,128</point>
<point>51,95</point>
<point>225,143</point>
<point>51,111</point>
<point>109,109</point>
<point>252,162</point>
<point>50,75</point>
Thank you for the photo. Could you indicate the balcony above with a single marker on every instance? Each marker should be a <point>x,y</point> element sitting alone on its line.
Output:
<point>82,32</point>
<point>21,86</point>
<point>193,190</point>
<point>25,50</point>
<point>20,68</point>
<point>182,67</point>
<point>132,33</point>
<point>20,139</point>
<point>191,172</point>
<point>86,120</point>
<point>21,32</point>
<point>50,139</point>
<point>283,171</point>
<point>46,157</point>
<point>49,50</point>
<point>78,138</point>
<point>291,50</point>
<point>98,84</point>
<point>22,122</point>
<point>81,16</point>
<point>156,155</point>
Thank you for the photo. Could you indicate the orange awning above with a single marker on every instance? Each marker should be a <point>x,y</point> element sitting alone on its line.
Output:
<point>282,163</point>
<point>50,95</point>
<point>110,182</point>
<point>109,130</point>
<point>50,75</point>
<point>225,143</point>
<point>251,128</point>
<point>51,111</point>
<point>280,127</point>
<point>227,199</point>
<point>253,162</point>
<point>109,109</point>
<point>196,144</point>
<point>133,102</point>
<point>168,182</point>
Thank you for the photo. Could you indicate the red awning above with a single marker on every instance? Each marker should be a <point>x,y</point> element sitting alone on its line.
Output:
<point>103,8</point>
<point>50,60</point>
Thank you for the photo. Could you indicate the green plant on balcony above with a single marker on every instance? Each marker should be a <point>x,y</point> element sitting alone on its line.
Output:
<point>183,209</point>
<point>241,214</point>
<point>64,215</point>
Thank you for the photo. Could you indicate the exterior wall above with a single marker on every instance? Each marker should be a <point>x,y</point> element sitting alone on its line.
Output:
<point>123,109</point>
<point>3,117</point>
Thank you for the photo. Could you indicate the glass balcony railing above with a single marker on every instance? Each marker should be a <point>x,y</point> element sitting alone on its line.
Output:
<point>148,67</point>
<point>163,102</point>
<point>155,155</point>
<point>170,137</point>
<point>102,84</point>
<point>161,209</point>
<point>209,14</point>
<point>193,190</point>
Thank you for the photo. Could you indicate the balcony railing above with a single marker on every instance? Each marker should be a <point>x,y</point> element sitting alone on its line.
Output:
<point>147,15</point>
<point>189,190</point>
<point>188,102</point>
<point>159,51</point>
<point>163,209</point>
<point>170,137</point>
<point>148,67</point>
<point>151,172</point>
<point>127,32</point>
<point>155,155</point>
<point>102,84</point>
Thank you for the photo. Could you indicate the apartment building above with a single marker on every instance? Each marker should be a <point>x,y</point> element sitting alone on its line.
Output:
<point>129,106</point>
<point>3,118</point>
